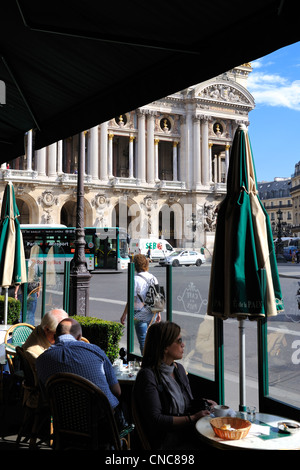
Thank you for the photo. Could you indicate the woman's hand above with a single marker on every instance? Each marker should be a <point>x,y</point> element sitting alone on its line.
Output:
<point>199,415</point>
<point>211,403</point>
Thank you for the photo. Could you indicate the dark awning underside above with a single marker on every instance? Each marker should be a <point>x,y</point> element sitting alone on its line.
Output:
<point>70,65</point>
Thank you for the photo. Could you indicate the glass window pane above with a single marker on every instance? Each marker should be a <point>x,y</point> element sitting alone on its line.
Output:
<point>284,343</point>
<point>190,294</point>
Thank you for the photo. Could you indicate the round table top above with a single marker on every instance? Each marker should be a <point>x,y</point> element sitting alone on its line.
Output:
<point>263,435</point>
<point>124,376</point>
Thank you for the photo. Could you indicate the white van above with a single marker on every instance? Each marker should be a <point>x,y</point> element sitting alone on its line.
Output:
<point>158,247</point>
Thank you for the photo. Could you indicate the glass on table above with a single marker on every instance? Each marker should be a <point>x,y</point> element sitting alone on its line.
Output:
<point>118,365</point>
<point>131,367</point>
<point>251,412</point>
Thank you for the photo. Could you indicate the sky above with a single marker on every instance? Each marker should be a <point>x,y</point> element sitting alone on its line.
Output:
<point>275,122</point>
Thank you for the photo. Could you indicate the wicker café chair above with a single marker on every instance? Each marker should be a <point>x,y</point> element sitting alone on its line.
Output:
<point>145,444</point>
<point>17,334</point>
<point>36,424</point>
<point>82,415</point>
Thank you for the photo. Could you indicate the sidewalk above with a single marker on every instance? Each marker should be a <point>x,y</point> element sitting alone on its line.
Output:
<point>289,269</point>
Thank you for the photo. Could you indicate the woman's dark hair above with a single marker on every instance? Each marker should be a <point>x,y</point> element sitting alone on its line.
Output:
<point>160,335</point>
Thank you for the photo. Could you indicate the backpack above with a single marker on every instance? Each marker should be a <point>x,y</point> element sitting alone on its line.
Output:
<point>155,296</point>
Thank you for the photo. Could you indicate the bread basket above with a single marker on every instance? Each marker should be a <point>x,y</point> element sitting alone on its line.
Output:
<point>239,427</point>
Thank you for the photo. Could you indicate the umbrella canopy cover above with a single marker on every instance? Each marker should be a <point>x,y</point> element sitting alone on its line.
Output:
<point>244,277</point>
<point>12,256</point>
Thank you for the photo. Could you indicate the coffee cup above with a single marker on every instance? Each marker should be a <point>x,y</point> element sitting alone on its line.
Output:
<point>221,410</point>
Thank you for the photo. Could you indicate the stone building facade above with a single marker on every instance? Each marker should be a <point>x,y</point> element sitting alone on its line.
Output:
<point>276,196</point>
<point>159,170</point>
<point>295,194</point>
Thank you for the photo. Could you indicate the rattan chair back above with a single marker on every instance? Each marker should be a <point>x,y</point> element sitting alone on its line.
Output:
<point>82,415</point>
<point>17,334</point>
<point>139,426</point>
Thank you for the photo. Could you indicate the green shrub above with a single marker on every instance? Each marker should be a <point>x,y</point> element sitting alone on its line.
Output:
<point>106,334</point>
<point>13,310</point>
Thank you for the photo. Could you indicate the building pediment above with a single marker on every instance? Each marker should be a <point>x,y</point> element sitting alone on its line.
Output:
<point>225,93</point>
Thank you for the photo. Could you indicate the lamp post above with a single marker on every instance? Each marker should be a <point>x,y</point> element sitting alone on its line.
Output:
<point>279,250</point>
<point>79,274</point>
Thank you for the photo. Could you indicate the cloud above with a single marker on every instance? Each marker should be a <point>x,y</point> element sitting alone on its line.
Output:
<point>274,89</point>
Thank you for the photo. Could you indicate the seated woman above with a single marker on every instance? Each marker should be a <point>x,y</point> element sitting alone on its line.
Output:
<point>162,391</point>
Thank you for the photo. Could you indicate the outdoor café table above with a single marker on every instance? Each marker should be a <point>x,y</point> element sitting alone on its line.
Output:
<point>263,435</point>
<point>125,378</point>
<point>126,382</point>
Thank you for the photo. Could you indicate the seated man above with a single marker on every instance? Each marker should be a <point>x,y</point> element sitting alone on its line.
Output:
<point>69,354</point>
<point>42,336</point>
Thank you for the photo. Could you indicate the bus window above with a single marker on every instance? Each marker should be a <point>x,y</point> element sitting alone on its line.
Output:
<point>105,252</point>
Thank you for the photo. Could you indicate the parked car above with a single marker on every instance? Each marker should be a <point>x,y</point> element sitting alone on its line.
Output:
<point>183,258</point>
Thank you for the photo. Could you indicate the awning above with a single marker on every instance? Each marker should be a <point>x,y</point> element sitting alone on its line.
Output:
<point>67,66</point>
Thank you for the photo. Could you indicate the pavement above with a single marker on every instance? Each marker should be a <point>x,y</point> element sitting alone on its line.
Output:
<point>9,443</point>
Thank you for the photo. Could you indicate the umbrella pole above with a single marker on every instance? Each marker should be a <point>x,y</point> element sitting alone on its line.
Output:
<point>242,406</point>
<point>5,305</point>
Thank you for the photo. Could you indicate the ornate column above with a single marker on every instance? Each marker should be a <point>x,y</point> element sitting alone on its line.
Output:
<point>131,140</point>
<point>93,152</point>
<point>175,162</point>
<point>183,156</point>
<point>150,148</point>
<point>79,274</point>
<point>29,150</point>
<point>204,149</point>
<point>188,131</point>
<point>141,157</point>
<point>210,145</point>
<point>59,156</point>
<point>197,152</point>
<point>52,155</point>
<point>41,161</point>
<point>156,172</point>
<point>214,169</point>
<point>110,155</point>
<point>227,148</point>
<point>103,151</point>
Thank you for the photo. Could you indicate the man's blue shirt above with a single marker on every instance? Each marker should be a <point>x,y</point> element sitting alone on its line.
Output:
<point>78,357</point>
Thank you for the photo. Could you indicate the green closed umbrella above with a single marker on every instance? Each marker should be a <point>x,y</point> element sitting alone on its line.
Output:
<point>12,256</point>
<point>244,277</point>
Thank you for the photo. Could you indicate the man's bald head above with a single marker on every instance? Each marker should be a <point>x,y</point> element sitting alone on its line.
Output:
<point>69,326</point>
<point>50,321</point>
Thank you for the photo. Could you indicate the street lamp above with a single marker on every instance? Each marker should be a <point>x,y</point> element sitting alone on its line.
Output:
<point>79,274</point>
<point>279,251</point>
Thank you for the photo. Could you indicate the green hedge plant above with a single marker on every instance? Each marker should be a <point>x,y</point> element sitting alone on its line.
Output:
<point>106,334</point>
<point>13,310</point>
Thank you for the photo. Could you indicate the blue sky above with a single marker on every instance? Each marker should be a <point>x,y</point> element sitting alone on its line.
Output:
<point>275,122</point>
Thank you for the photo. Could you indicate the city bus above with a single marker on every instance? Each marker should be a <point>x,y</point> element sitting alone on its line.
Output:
<point>105,248</point>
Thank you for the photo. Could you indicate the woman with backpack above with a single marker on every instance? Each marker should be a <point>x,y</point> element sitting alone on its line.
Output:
<point>143,315</point>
